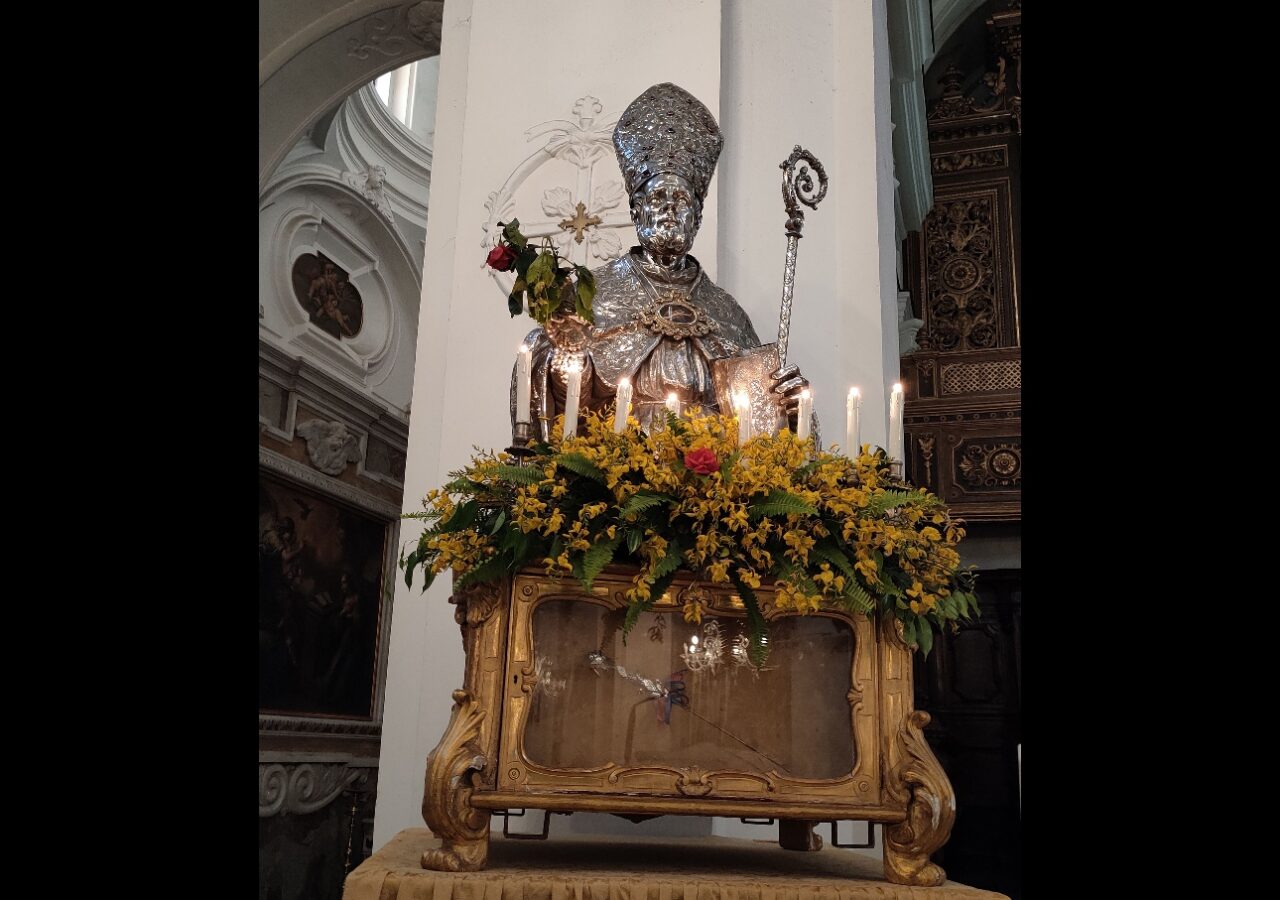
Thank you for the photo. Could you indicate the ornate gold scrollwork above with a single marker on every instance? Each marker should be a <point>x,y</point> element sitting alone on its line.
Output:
<point>694,782</point>
<point>446,801</point>
<point>931,809</point>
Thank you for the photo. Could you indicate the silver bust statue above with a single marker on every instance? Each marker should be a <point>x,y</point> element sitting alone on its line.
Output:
<point>659,321</point>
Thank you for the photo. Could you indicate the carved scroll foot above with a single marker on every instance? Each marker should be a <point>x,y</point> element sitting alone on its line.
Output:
<point>931,810</point>
<point>446,802</point>
<point>458,856</point>
<point>798,834</point>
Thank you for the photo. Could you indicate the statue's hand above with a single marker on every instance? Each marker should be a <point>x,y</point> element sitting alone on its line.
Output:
<point>788,382</point>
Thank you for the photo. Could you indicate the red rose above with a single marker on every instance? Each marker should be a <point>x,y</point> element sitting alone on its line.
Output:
<point>502,258</point>
<point>703,461</point>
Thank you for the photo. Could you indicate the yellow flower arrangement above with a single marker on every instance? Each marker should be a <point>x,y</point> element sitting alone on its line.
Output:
<point>824,528</point>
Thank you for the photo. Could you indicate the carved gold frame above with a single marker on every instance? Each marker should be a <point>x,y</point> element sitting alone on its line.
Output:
<point>480,764</point>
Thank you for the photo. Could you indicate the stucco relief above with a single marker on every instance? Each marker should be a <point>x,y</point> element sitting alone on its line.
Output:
<point>580,206</point>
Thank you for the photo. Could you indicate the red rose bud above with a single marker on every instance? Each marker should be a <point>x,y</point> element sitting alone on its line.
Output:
<point>502,258</point>
<point>702,461</point>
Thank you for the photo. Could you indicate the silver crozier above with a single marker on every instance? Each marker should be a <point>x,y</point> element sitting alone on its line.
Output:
<point>750,373</point>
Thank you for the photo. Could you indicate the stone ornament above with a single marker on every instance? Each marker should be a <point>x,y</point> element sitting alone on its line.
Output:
<point>329,445</point>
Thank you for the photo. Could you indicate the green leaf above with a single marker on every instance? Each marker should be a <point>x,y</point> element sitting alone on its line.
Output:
<point>596,558</point>
<point>491,569</point>
<point>519,474</point>
<point>463,516</point>
<point>576,462</point>
<point>515,300</point>
<point>674,425</point>
<point>656,589</point>
<point>512,233</point>
<point>758,629</point>
<point>427,578</point>
<point>523,262</point>
<point>827,550</point>
<point>924,634</point>
<point>497,521</point>
<point>634,537</point>
<point>878,504</point>
<point>670,562</point>
<point>858,600</point>
<point>780,503</point>
<point>642,500</point>
<point>409,564</point>
<point>909,631</point>
<point>541,273</point>
<point>726,467</point>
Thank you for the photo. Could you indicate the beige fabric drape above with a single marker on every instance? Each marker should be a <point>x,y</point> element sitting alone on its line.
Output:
<point>616,868</point>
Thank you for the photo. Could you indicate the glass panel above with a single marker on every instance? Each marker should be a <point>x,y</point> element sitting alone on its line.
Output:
<point>678,694</point>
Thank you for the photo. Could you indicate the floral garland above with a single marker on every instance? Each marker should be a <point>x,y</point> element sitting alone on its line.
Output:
<point>826,529</point>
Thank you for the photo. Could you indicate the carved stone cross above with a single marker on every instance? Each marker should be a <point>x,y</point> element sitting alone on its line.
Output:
<point>580,222</point>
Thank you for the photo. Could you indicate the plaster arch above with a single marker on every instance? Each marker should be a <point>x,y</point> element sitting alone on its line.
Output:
<point>948,15</point>
<point>313,55</point>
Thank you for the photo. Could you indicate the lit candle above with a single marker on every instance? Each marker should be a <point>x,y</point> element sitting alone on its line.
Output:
<point>804,414</point>
<point>852,414</point>
<point>623,407</point>
<point>524,370</point>
<point>742,406</point>
<point>573,379</point>
<point>673,403</point>
<point>895,422</point>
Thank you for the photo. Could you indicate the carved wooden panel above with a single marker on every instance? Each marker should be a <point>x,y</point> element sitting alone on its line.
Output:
<point>963,432</point>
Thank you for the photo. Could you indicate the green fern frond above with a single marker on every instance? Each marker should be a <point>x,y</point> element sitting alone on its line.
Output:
<point>519,474</point>
<point>576,462</point>
<point>780,503</point>
<point>596,558</point>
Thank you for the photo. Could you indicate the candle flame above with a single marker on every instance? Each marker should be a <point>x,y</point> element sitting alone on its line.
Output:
<point>671,397</point>
<point>854,392</point>
<point>806,394</point>
<point>740,401</point>
<point>624,382</point>
<point>897,387</point>
<point>524,348</point>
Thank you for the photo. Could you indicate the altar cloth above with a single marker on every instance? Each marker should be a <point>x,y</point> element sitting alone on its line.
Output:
<point>627,868</point>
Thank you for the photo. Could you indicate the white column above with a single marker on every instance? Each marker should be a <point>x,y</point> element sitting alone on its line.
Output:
<point>401,88</point>
<point>824,84</point>
<point>489,94</point>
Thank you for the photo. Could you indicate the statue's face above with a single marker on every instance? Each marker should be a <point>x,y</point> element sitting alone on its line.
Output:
<point>666,213</point>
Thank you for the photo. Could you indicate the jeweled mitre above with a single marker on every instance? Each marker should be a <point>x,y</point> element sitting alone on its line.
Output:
<point>667,130</point>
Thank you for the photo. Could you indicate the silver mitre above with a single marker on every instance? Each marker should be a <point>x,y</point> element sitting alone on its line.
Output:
<point>667,129</point>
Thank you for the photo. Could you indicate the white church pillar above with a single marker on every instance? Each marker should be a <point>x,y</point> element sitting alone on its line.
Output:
<point>503,69</point>
<point>816,74</point>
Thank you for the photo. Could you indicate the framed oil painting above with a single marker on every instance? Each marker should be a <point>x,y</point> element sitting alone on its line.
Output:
<point>322,566</point>
<point>324,290</point>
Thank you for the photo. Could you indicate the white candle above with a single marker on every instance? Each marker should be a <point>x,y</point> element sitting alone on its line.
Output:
<point>895,422</point>
<point>742,407</point>
<point>852,414</point>
<point>573,378</point>
<point>804,414</point>
<point>623,407</point>
<point>524,371</point>
<point>673,403</point>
